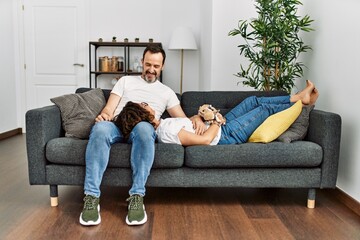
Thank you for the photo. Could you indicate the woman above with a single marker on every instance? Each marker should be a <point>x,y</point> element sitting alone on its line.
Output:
<point>241,121</point>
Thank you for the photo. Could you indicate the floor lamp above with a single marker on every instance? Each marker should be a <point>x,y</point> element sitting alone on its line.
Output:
<point>182,39</point>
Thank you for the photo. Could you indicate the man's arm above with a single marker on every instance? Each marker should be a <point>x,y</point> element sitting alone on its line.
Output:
<point>198,123</point>
<point>107,114</point>
<point>176,111</point>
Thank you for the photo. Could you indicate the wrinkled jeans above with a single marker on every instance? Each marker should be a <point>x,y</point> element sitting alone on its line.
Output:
<point>248,115</point>
<point>102,136</point>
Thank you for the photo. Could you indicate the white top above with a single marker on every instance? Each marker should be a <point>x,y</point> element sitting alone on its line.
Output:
<point>133,88</point>
<point>169,128</point>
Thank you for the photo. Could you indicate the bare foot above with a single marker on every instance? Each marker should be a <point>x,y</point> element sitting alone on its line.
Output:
<point>305,94</point>
<point>308,82</point>
<point>314,96</point>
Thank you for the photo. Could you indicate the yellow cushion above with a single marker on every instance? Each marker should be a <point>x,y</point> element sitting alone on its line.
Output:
<point>276,124</point>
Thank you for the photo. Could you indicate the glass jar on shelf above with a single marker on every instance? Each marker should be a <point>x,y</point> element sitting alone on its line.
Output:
<point>121,64</point>
<point>104,64</point>
<point>114,66</point>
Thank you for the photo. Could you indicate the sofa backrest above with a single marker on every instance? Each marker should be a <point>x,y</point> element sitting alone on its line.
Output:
<point>223,100</point>
<point>192,100</point>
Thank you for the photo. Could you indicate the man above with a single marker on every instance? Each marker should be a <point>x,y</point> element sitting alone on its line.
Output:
<point>144,88</point>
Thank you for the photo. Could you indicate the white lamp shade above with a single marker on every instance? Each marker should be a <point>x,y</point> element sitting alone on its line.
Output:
<point>182,38</point>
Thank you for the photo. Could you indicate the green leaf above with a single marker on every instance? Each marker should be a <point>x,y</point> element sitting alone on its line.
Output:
<point>272,40</point>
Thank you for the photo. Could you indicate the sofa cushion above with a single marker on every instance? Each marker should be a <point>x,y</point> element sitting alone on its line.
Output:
<point>71,151</point>
<point>276,124</point>
<point>274,154</point>
<point>297,130</point>
<point>79,110</point>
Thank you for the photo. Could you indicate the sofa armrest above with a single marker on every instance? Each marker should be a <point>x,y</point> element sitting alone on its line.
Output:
<point>325,130</point>
<point>42,124</point>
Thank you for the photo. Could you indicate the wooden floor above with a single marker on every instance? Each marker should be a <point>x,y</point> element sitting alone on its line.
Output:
<point>173,213</point>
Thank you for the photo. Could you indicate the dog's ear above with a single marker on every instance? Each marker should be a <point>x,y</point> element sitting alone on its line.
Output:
<point>214,110</point>
<point>206,112</point>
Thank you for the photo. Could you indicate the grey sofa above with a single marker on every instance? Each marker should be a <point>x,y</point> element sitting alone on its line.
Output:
<point>312,163</point>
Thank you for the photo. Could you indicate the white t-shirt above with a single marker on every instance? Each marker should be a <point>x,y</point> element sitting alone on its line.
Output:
<point>133,88</point>
<point>169,128</point>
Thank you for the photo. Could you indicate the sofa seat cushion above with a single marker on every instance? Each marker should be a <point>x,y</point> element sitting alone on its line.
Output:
<point>71,151</point>
<point>274,154</point>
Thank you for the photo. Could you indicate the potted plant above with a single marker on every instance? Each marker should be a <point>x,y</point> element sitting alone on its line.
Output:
<point>273,45</point>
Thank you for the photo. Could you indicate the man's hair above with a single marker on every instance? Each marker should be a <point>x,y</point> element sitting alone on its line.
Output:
<point>131,115</point>
<point>154,48</point>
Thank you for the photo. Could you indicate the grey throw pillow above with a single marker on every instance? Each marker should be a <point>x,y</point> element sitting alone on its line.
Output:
<point>298,130</point>
<point>79,110</point>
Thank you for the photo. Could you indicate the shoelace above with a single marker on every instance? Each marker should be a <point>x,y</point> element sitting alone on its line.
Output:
<point>134,202</point>
<point>90,202</point>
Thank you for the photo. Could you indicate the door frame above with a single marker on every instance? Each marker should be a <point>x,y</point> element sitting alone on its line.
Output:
<point>19,63</point>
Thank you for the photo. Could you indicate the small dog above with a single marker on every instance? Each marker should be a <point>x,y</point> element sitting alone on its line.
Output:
<point>211,115</point>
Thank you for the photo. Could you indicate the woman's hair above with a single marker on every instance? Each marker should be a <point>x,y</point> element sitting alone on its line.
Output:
<point>131,115</point>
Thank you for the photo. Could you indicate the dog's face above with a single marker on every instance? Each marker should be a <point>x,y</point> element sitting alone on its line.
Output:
<point>207,112</point>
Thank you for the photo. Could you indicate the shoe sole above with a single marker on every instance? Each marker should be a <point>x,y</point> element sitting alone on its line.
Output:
<point>137,222</point>
<point>90,223</point>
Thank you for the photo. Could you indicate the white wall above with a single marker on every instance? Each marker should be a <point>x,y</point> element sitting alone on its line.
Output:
<point>150,19</point>
<point>332,65</point>
<point>226,58</point>
<point>8,98</point>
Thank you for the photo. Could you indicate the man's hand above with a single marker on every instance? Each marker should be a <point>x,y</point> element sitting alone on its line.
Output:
<point>198,124</point>
<point>107,114</point>
<point>103,117</point>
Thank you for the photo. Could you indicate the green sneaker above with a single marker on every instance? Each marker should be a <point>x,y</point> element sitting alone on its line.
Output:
<point>136,210</point>
<point>90,214</point>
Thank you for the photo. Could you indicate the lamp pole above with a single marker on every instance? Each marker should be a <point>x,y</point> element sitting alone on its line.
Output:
<point>182,39</point>
<point>181,69</point>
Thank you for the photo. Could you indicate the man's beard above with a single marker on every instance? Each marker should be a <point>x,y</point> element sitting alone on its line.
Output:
<point>150,80</point>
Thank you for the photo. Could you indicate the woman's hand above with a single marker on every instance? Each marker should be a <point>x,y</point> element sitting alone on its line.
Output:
<point>220,119</point>
<point>198,124</point>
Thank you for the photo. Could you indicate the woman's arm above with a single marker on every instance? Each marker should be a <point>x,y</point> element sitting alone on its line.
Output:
<point>199,125</point>
<point>189,139</point>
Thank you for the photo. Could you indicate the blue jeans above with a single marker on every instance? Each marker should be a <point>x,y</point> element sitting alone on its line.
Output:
<point>102,136</point>
<point>243,120</point>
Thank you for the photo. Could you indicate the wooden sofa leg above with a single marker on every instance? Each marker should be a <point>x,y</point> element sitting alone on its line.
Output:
<point>311,198</point>
<point>54,195</point>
